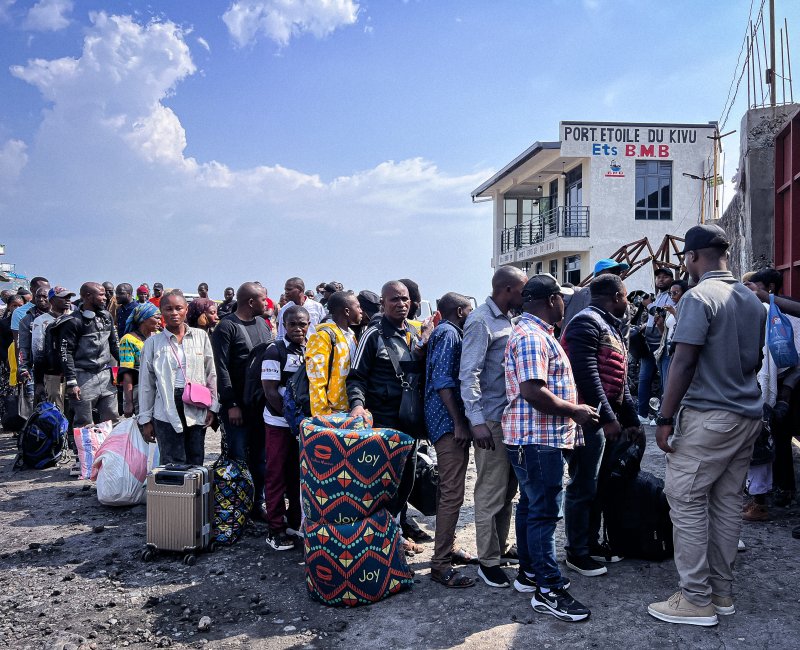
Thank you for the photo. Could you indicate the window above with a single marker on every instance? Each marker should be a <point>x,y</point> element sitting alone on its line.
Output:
<point>510,213</point>
<point>654,190</point>
<point>538,268</point>
<point>572,269</point>
<point>554,268</point>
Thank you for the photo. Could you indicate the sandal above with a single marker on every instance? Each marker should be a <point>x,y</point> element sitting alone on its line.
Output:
<point>452,579</point>
<point>411,548</point>
<point>462,556</point>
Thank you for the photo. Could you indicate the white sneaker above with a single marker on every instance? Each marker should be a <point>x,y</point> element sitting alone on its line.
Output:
<point>741,546</point>
<point>643,420</point>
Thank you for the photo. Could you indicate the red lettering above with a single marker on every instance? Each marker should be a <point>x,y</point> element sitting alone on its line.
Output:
<point>630,149</point>
<point>663,151</point>
<point>648,151</point>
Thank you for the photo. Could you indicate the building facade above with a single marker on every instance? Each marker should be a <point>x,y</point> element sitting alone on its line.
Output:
<point>561,206</point>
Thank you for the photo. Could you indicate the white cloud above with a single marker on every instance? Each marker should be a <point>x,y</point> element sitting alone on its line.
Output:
<point>5,5</point>
<point>48,16</point>
<point>109,160</point>
<point>281,20</point>
<point>204,43</point>
<point>13,158</point>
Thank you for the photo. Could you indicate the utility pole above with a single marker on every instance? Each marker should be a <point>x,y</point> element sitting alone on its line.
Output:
<point>773,89</point>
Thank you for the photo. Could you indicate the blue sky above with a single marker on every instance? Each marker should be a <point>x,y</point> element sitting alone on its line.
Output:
<point>260,139</point>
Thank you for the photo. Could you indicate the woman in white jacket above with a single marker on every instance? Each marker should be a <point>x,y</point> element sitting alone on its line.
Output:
<point>170,360</point>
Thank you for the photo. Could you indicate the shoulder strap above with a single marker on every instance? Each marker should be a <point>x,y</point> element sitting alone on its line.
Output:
<point>332,334</point>
<point>393,358</point>
<point>175,352</point>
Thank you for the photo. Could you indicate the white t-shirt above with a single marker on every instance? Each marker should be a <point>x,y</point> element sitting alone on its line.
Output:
<point>272,371</point>
<point>316,314</point>
<point>177,364</point>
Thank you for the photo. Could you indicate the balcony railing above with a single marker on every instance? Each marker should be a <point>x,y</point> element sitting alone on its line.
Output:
<point>563,221</point>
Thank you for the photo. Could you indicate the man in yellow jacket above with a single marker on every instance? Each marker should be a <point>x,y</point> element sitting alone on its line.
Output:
<point>328,354</point>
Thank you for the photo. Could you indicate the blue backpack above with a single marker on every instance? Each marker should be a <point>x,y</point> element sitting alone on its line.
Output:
<point>43,438</point>
<point>780,337</point>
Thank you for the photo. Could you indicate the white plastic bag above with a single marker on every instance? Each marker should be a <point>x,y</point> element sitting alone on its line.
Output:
<point>121,465</point>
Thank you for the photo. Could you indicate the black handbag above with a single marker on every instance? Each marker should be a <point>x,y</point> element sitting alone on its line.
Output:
<point>412,406</point>
<point>424,494</point>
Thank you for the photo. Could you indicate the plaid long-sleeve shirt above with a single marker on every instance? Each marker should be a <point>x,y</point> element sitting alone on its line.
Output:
<point>533,353</point>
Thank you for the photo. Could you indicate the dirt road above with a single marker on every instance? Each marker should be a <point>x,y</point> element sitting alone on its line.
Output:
<point>71,577</point>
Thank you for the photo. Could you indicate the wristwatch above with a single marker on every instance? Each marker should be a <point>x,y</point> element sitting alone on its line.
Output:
<point>662,420</point>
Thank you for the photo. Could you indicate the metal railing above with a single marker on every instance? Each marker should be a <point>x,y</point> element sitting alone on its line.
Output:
<point>563,221</point>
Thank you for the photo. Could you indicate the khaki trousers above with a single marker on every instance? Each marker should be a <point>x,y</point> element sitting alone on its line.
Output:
<point>495,489</point>
<point>452,460</point>
<point>704,480</point>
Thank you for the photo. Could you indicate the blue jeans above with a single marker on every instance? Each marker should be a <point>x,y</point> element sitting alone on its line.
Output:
<point>663,369</point>
<point>540,472</point>
<point>581,513</point>
<point>647,370</point>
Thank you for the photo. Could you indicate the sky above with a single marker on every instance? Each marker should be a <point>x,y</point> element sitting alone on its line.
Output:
<point>182,142</point>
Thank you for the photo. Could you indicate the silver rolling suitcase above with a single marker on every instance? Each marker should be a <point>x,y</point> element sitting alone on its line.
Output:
<point>178,511</point>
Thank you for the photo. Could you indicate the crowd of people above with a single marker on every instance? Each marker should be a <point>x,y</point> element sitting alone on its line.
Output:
<point>535,379</point>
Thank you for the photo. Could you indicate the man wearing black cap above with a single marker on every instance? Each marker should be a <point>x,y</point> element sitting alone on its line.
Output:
<point>538,426</point>
<point>652,336</point>
<point>713,406</point>
<point>370,307</point>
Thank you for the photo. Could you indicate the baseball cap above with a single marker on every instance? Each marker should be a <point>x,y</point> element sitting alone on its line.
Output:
<point>544,285</point>
<point>705,235</point>
<point>664,270</point>
<point>59,292</point>
<point>607,263</point>
<point>370,301</point>
<point>143,289</point>
<point>157,285</point>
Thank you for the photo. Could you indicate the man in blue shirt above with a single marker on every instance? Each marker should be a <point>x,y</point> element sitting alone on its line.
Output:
<point>448,430</point>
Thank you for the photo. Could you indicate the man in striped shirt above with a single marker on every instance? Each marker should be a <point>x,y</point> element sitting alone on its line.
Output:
<point>539,423</point>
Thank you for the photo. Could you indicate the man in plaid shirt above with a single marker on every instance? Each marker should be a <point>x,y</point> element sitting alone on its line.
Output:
<point>539,423</point>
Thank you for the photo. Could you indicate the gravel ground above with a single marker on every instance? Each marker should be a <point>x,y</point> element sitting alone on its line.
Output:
<point>71,577</point>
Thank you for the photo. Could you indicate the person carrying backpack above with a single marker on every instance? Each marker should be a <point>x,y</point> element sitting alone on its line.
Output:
<point>282,360</point>
<point>596,349</point>
<point>233,340</point>
<point>46,346</point>
<point>330,350</point>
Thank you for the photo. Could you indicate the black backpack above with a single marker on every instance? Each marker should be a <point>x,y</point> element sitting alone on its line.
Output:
<point>253,395</point>
<point>636,515</point>
<point>50,362</point>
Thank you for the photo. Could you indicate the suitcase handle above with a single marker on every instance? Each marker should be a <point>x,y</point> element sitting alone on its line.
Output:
<point>178,467</point>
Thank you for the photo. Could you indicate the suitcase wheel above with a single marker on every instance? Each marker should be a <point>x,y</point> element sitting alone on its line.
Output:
<point>190,559</point>
<point>148,554</point>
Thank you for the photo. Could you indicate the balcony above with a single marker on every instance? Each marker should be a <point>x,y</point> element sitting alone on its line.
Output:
<point>563,221</point>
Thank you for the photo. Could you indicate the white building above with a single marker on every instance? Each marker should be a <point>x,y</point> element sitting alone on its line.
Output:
<point>561,206</point>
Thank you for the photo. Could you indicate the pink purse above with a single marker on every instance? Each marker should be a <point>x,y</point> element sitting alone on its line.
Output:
<point>193,394</point>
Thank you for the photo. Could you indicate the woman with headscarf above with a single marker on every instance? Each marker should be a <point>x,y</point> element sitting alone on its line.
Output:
<point>143,322</point>
<point>202,314</point>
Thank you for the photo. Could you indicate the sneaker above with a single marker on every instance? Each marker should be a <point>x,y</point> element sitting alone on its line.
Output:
<point>723,605</point>
<point>643,420</point>
<point>75,470</point>
<point>603,553</point>
<point>755,512</point>
<point>511,556</point>
<point>741,546</point>
<point>679,610</point>
<point>280,541</point>
<point>558,603</point>
<point>586,566</point>
<point>493,576</point>
<point>524,584</point>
